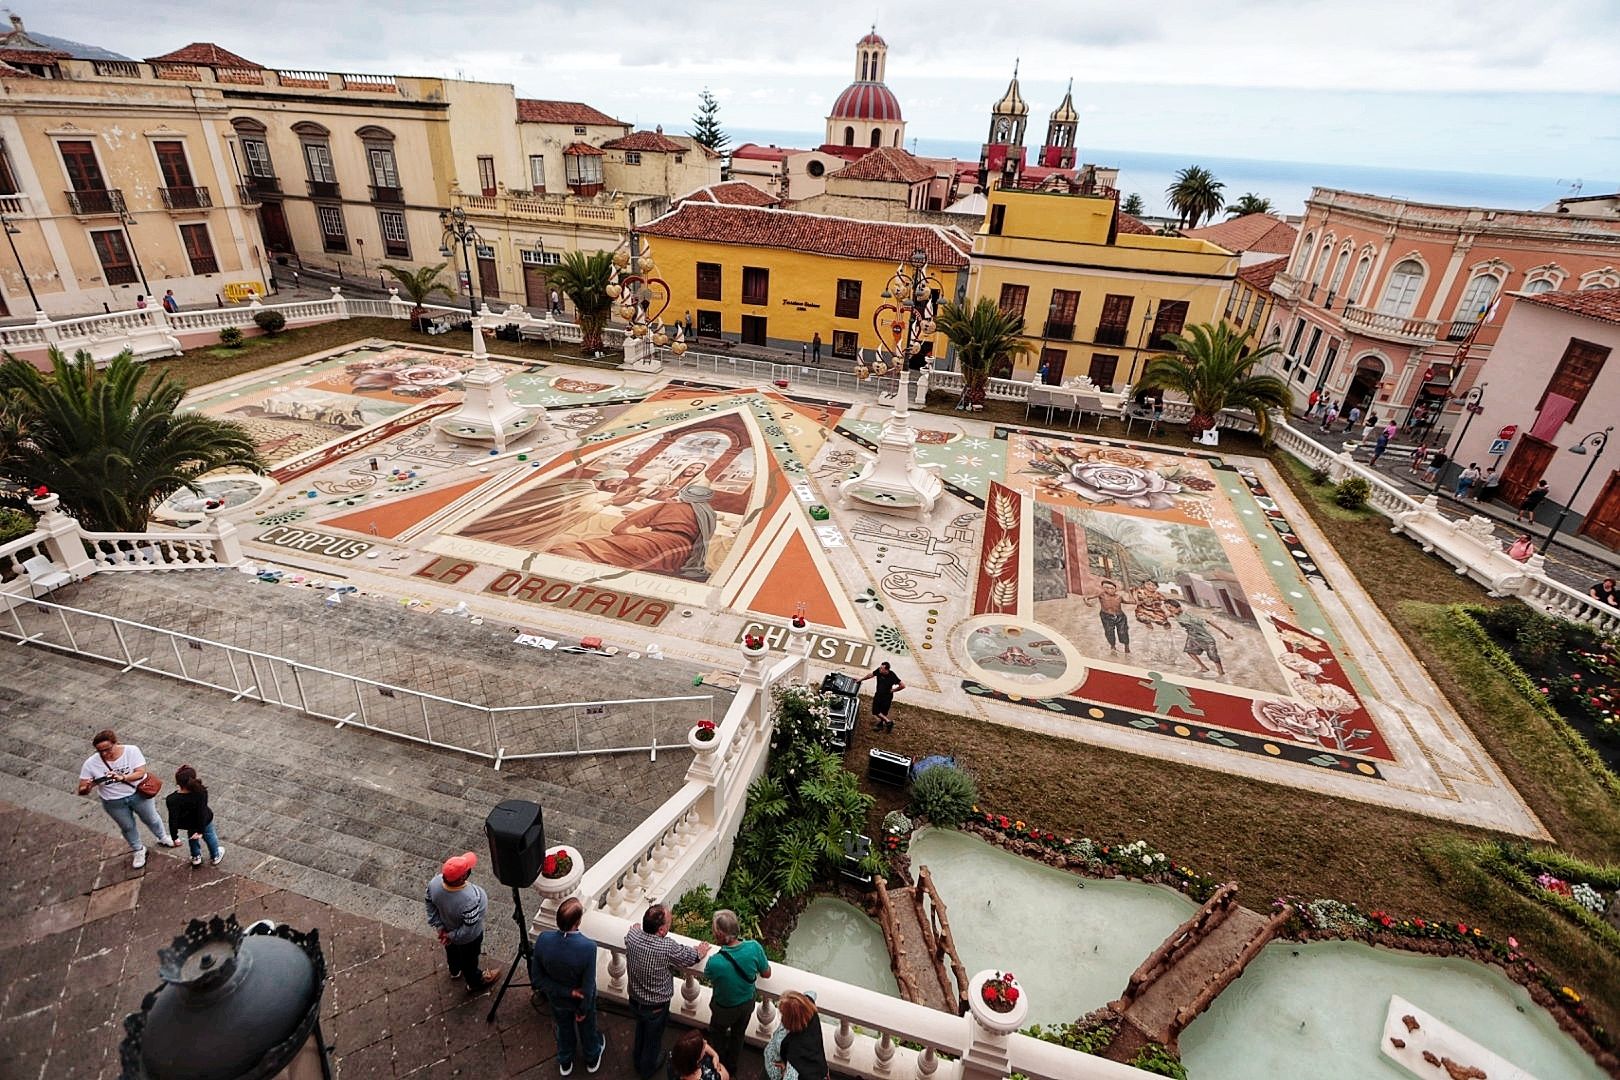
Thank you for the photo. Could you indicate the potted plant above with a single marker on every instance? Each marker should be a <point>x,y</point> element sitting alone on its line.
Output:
<point>703,736</point>
<point>997,1001</point>
<point>42,501</point>
<point>560,872</point>
<point>754,644</point>
<point>798,622</point>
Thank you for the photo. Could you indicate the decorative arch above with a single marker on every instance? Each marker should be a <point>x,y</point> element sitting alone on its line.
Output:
<point>1324,257</point>
<point>849,136</point>
<point>373,133</point>
<point>877,137</point>
<point>1358,280</point>
<point>1478,293</point>
<point>311,129</point>
<point>1340,265</point>
<point>249,126</point>
<point>896,136</point>
<point>1606,278</point>
<point>1402,286</point>
<point>1548,277</point>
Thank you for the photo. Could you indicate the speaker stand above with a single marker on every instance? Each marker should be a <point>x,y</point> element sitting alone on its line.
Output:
<point>523,953</point>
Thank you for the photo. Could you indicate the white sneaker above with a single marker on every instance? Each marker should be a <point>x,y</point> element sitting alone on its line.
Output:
<point>600,1054</point>
<point>140,858</point>
<point>215,860</point>
<point>169,841</point>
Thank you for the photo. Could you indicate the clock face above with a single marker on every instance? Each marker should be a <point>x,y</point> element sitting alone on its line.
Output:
<point>1003,130</point>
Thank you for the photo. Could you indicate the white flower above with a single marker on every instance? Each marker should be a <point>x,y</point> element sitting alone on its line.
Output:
<point>969,461</point>
<point>975,444</point>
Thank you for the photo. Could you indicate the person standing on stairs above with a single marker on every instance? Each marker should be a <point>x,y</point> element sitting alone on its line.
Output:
<point>190,817</point>
<point>117,772</point>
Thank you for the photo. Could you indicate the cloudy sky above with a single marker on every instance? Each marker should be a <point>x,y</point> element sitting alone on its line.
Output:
<point>1500,86</point>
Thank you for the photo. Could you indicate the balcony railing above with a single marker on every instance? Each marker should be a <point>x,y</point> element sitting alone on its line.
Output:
<point>1389,327</point>
<point>14,205</point>
<point>323,189</point>
<point>1110,335</point>
<point>264,185</point>
<point>93,203</point>
<point>185,198</point>
<point>391,195</point>
<point>1285,286</point>
<point>1460,329</point>
<point>1063,330</point>
<point>204,264</point>
<point>246,193</point>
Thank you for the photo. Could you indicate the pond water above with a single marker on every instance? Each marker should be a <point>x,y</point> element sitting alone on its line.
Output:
<point>1318,1010</point>
<point>1312,1010</point>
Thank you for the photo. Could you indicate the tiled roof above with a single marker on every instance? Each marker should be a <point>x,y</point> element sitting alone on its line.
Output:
<point>756,152</point>
<point>1127,223</point>
<point>947,247</point>
<point>731,193</point>
<point>579,149</point>
<point>866,101</point>
<point>1252,232</point>
<point>890,164</point>
<point>1601,304</point>
<point>35,57</point>
<point>646,140</point>
<point>536,111</point>
<point>1260,275</point>
<point>207,54</point>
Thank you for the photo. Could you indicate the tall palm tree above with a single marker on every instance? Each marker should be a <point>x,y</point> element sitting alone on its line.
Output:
<point>1214,367</point>
<point>112,442</point>
<point>419,284</point>
<point>1195,195</point>
<point>984,335</point>
<point>1249,203</point>
<point>584,278</point>
<point>1132,205</point>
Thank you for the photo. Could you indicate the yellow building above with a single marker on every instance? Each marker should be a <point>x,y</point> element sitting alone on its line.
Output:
<point>777,278</point>
<point>1250,301</point>
<point>1098,296</point>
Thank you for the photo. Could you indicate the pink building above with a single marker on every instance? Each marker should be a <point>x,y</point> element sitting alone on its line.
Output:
<point>1393,305</point>
<point>1554,376</point>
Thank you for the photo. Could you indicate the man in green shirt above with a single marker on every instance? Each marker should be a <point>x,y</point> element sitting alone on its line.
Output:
<point>731,972</point>
<point>1199,638</point>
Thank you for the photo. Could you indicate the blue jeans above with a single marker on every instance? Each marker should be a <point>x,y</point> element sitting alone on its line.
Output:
<point>126,810</point>
<point>209,837</point>
<point>568,1039</point>
<point>648,1051</point>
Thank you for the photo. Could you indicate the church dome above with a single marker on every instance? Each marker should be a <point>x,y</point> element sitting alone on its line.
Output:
<point>873,39</point>
<point>866,101</point>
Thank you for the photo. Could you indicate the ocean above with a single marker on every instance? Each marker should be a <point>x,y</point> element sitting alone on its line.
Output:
<point>1286,183</point>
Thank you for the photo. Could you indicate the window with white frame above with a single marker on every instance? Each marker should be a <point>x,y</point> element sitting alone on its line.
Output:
<point>318,159</point>
<point>1401,294</point>
<point>1303,265</point>
<point>384,170</point>
<point>537,172</point>
<point>1606,278</point>
<point>396,241</point>
<point>1540,285</point>
<point>1477,297</point>
<point>256,152</point>
<point>1322,261</point>
<point>582,169</point>
<point>632,157</point>
<point>333,233</point>
<point>541,258</point>
<point>1339,268</point>
<point>1359,281</point>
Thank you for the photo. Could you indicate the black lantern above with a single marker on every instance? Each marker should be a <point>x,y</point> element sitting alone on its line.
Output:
<point>235,1005</point>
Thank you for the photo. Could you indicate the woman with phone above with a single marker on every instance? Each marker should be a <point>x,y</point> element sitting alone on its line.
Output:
<point>118,774</point>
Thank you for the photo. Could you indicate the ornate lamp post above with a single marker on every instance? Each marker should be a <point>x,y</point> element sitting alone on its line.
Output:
<point>1598,440</point>
<point>893,481</point>
<point>459,230</point>
<point>635,294</point>
<point>1471,408</point>
<point>11,232</point>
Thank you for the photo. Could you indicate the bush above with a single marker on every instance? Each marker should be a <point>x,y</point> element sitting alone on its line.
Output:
<point>1352,493</point>
<point>1503,620</point>
<point>945,795</point>
<point>1155,1059</point>
<point>271,322</point>
<point>1319,476</point>
<point>1539,638</point>
<point>13,524</point>
<point>231,337</point>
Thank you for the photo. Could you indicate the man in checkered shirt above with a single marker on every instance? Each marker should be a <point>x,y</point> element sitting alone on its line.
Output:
<point>652,957</point>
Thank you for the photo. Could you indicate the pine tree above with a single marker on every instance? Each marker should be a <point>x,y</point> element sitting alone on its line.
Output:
<point>1132,204</point>
<point>706,123</point>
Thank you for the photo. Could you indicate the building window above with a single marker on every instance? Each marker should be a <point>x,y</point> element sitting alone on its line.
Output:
<point>849,299</point>
<point>708,323</point>
<point>1171,318</point>
<point>1322,261</point>
<point>849,136</point>
<point>1476,299</point>
<point>1576,373</point>
<point>708,281</point>
<point>318,160</point>
<point>8,179</point>
<point>79,163</point>
<point>1331,355</point>
<point>1243,307</point>
<point>384,170</point>
<point>846,343</point>
<point>1310,350</point>
<point>1363,267</point>
<point>632,157</point>
<point>486,175</point>
<point>332,231</point>
<point>753,330</point>
<point>1540,285</point>
<point>582,169</point>
<point>1607,278</point>
<point>756,285</point>
<point>1231,298</point>
<point>579,129</point>
<point>199,249</point>
<point>679,158</point>
<point>1116,319</point>
<point>113,251</point>
<point>1060,314</point>
<point>1302,265</point>
<point>542,258</point>
<point>1014,298</point>
<point>1401,294</point>
<point>1254,316</point>
<point>998,218</point>
<point>1102,371</point>
<point>256,152</point>
<point>396,241</point>
<point>537,173</point>
<point>172,164</point>
<point>1299,332</point>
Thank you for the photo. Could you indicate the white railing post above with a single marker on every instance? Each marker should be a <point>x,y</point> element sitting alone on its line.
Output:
<point>553,891</point>
<point>398,309</point>
<point>63,540</point>
<point>43,323</point>
<point>987,1056</point>
<point>222,537</point>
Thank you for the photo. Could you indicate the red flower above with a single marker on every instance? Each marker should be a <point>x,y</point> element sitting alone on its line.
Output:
<point>41,491</point>
<point>1419,923</point>
<point>550,864</point>
<point>1011,994</point>
<point>1461,929</point>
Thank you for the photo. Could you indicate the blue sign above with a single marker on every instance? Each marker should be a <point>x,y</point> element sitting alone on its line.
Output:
<point>1499,446</point>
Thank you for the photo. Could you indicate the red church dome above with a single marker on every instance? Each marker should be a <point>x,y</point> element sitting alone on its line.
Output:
<point>866,101</point>
<point>873,39</point>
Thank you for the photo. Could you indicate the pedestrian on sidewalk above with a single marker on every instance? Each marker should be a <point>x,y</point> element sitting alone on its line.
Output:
<point>798,1049</point>
<point>1419,456</point>
<point>1604,592</point>
<point>1527,508</point>
<point>1370,426</point>
<point>692,1058</point>
<point>170,304</point>
<point>190,818</point>
<point>732,972</point>
<point>1466,480</point>
<point>556,302</point>
<point>1329,415</point>
<point>1383,442</point>
<point>652,957</point>
<point>1437,462</point>
<point>1485,489</point>
<point>456,909</point>
<point>117,772</point>
<point>563,971</point>
<point>883,696</point>
<point>1353,419</point>
<point>815,349</point>
<point>1311,403</point>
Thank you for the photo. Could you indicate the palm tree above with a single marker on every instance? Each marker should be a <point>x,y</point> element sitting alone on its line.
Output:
<point>1133,205</point>
<point>1195,195</point>
<point>113,442</point>
<point>419,284</point>
<point>984,336</point>
<point>1249,203</point>
<point>1214,367</point>
<point>584,278</point>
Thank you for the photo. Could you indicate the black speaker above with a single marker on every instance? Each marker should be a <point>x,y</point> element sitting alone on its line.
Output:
<point>517,842</point>
<point>883,767</point>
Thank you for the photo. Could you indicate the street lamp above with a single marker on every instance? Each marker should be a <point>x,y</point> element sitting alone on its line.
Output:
<point>1599,440</point>
<point>1472,407</point>
<point>13,231</point>
<point>459,230</point>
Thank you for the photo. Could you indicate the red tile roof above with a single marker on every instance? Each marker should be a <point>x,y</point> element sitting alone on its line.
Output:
<point>1601,304</point>
<point>947,247</point>
<point>1252,232</point>
<point>36,57</point>
<point>889,164</point>
<point>579,149</point>
<point>1260,275</point>
<point>207,54</point>
<point>756,152</point>
<point>655,141</point>
<point>536,111</point>
<point>1127,223</point>
<point>866,101</point>
<point>732,193</point>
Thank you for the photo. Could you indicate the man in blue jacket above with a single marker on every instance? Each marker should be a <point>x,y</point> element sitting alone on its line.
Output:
<point>563,968</point>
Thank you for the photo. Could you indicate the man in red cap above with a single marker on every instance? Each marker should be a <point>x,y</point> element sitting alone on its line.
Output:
<point>455,908</point>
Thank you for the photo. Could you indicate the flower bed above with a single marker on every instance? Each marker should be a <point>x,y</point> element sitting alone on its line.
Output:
<point>1135,860</point>
<point>1580,891</point>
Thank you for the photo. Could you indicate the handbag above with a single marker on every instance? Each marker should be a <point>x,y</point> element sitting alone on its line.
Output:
<point>149,786</point>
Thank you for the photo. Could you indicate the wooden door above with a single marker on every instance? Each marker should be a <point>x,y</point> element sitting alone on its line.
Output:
<point>536,289</point>
<point>753,330</point>
<point>1052,360</point>
<point>489,282</point>
<point>1525,466</point>
<point>1603,520</point>
<point>273,222</point>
